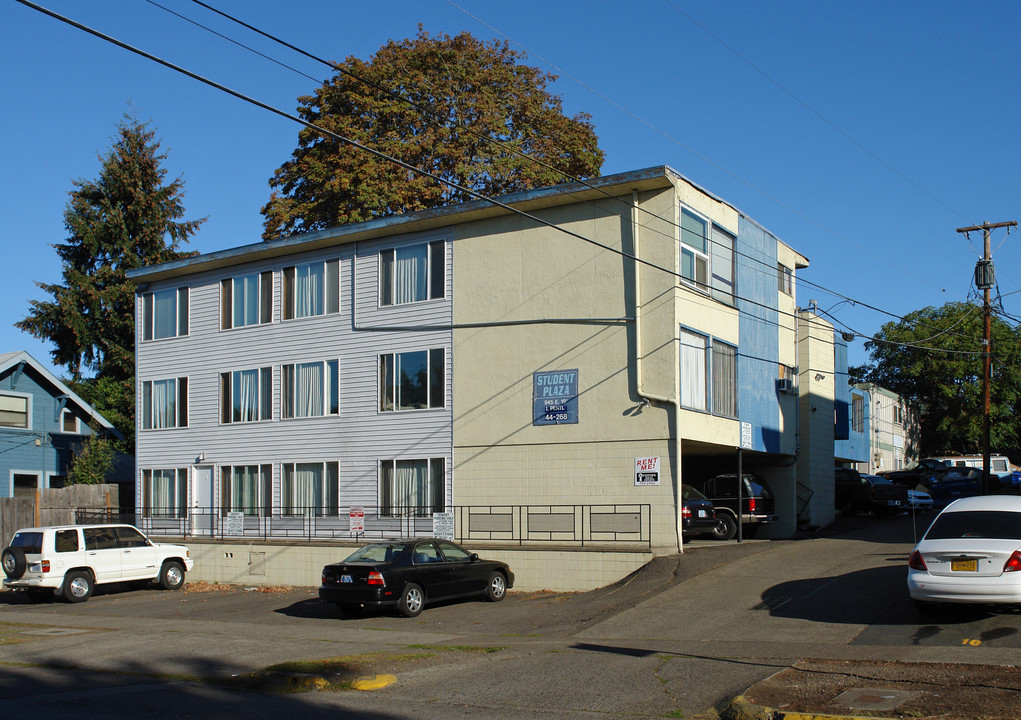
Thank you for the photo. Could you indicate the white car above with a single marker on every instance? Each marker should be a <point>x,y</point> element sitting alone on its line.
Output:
<point>970,554</point>
<point>71,560</point>
<point>919,501</point>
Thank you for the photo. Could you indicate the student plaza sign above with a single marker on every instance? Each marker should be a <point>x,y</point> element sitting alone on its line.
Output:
<point>555,397</point>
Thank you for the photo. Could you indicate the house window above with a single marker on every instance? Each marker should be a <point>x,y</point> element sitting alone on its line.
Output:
<point>411,380</point>
<point>246,300</point>
<point>245,395</point>
<point>784,279</point>
<point>858,413</point>
<point>412,487</point>
<point>164,492</point>
<point>245,489</point>
<point>694,249</point>
<point>312,289</point>
<point>311,389</point>
<point>14,411</point>
<point>694,389</point>
<point>68,422</point>
<point>412,274</point>
<point>724,367</point>
<point>722,265</point>
<point>165,314</point>
<point>310,488</point>
<point>164,403</point>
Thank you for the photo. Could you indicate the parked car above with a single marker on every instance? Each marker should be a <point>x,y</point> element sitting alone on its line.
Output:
<point>919,501</point>
<point>970,554</point>
<point>954,484</point>
<point>698,516</point>
<point>71,560</point>
<point>855,493</point>
<point>920,472</point>
<point>759,506</point>
<point>408,574</point>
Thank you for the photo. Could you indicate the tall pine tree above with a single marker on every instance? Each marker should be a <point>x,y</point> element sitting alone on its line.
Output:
<point>126,218</point>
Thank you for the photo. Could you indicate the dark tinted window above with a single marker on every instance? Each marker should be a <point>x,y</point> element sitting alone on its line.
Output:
<point>976,524</point>
<point>129,537</point>
<point>99,538</point>
<point>376,552</point>
<point>754,488</point>
<point>66,540</point>
<point>31,543</point>
<point>453,553</point>
<point>690,493</point>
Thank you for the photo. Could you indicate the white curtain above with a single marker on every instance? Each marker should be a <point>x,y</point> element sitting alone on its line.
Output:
<point>246,396</point>
<point>164,492</point>
<point>411,275</point>
<point>410,485</point>
<point>303,488</point>
<point>309,290</point>
<point>244,489</point>
<point>309,391</point>
<point>164,403</point>
<point>693,379</point>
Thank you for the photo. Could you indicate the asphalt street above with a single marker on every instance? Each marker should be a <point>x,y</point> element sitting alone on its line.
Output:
<point>680,638</point>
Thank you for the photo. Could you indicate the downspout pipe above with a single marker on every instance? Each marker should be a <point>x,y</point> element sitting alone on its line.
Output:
<point>675,399</point>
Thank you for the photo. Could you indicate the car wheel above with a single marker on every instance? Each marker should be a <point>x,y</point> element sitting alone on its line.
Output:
<point>38,595</point>
<point>172,575</point>
<point>726,527</point>
<point>412,600</point>
<point>77,586</point>
<point>14,562</point>
<point>496,588</point>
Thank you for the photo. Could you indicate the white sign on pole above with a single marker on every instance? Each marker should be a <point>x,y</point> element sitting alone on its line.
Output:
<point>443,525</point>
<point>357,520</point>
<point>646,471</point>
<point>746,436</point>
<point>235,523</point>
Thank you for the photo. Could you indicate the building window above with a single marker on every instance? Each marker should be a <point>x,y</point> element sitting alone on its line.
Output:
<point>412,487</point>
<point>164,492</point>
<point>164,403</point>
<point>68,422</point>
<point>784,279</point>
<point>898,414</point>
<point>14,411</point>
<point>165,314</point>
<point>246,300</point>
<point>858,413</point>
<point>694,389</point>
<point>246,489</point>
<point>724,366</point>
<point>694,249</point>
<point>411,380</point>
<point>310,488</point>
<point>311,389</point>
<point>245,395</point>
<point>312,289</point>
<point>722,265</point>
<point>412,274</point>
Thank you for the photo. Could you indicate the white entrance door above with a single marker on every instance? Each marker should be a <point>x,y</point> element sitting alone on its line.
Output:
<point>203,502</point>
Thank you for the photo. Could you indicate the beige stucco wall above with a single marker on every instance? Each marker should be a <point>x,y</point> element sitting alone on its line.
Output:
<point>816,381</point>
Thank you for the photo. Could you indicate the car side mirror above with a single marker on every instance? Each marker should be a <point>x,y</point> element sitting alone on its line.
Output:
<point>474,557</point>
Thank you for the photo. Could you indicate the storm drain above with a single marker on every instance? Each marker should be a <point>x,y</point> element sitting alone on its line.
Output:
<point>872,699</point>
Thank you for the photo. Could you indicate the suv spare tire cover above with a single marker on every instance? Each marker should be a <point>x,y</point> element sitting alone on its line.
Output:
<point>14,562</point>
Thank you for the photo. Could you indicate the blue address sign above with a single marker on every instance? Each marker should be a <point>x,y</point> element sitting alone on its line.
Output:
<point>555,397</point>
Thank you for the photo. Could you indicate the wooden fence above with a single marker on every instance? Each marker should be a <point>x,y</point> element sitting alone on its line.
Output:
<point>53,506</point>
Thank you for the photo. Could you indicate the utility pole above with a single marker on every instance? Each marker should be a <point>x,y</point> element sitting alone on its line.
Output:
<point>985,278</point>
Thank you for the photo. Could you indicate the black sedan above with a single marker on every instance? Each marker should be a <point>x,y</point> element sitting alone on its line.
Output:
<point>697,513</point>
<point>407,574</point>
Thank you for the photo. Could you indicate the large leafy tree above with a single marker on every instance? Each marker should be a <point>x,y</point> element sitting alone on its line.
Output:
<point>467,111</point>
<point>126,218</point>
<point>933,357</point>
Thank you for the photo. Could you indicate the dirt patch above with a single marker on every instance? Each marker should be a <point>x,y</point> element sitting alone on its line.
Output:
<point>208,587</point>
<point>938,690</point>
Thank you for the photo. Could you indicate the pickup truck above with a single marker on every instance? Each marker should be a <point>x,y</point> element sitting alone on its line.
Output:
<point>855,493</point>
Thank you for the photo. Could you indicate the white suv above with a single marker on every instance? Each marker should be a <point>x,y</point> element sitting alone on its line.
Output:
<point>71,560</point>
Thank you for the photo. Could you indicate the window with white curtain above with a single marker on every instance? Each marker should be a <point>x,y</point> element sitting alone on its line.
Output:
<point>412,274</point>
<point>412,380</point>
<point>245,489</point>
<point>164,403</point>
<point>312,289</point>
<point>246,300</point>
<point>311,389</point>
<point>694,362</point>
<point>164,492</point>
<point>310,489</point>
<point>724,390</point>
<point>246,395</point>
<point>165,313</point>
<point>412,487</point>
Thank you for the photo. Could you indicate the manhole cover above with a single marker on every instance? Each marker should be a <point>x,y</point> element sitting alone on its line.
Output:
<point>872,699</point>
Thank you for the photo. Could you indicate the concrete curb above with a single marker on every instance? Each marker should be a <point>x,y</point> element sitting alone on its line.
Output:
<point>740,708</point>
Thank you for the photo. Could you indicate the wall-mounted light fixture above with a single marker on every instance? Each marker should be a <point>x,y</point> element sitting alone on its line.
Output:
<point>820,376</point>
<point>201,457</point>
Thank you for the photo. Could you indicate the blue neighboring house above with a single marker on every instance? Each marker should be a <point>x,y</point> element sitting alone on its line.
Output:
<point>41,423</point>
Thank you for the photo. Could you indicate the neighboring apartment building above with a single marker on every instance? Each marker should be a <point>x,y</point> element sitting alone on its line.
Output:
<point>546,379</point>
<point>894,429</point>
<point>41,425</point>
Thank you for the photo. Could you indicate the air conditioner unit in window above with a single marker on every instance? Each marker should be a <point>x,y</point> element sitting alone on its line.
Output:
<point>786,385</point>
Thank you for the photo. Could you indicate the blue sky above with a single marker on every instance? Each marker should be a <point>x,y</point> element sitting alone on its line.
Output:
<point>862,134</point>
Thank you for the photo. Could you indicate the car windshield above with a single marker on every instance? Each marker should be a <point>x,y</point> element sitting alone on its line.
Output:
<point>690,493</point>
<point>976,524</point>
<point>879,480</point>
<point>30,542</point>
<point>377,552</point>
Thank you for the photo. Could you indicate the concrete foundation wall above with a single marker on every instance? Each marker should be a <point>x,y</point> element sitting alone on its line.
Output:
<point>301,565</point>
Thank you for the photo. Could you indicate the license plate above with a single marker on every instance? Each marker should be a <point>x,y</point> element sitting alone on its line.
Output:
<point>964,565</point>
<point>345,578</point>
<point>701,513</point>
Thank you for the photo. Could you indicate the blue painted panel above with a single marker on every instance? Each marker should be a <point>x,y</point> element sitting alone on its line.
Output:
<point>841,389</point>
